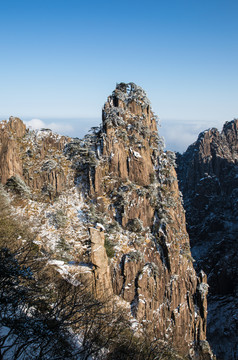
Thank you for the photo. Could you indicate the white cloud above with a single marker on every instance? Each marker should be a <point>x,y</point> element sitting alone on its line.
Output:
<point>180,134</point>
<point>35,124</point>
<point>61,128</point>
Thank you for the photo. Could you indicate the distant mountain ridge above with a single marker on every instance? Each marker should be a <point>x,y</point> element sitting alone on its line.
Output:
<point>208,179</point>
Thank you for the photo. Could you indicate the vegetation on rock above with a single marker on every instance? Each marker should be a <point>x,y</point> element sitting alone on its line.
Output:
<point>113,194</point>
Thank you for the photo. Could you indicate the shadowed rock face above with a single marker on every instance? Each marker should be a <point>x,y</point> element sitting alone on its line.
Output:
<point>140,252</point>
<point>208,179</point>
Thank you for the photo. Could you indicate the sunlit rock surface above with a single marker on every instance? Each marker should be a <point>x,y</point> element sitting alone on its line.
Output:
<point>108,212</point>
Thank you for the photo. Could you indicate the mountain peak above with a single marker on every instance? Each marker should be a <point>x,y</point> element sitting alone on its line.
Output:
<point>208,178</point>
<point>110,205</point>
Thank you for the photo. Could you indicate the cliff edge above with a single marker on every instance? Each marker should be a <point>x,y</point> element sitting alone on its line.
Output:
<point>108,211</point>
<point>208,179</point>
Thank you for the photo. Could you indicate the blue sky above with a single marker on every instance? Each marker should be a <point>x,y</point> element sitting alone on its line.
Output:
<point>61,59</point>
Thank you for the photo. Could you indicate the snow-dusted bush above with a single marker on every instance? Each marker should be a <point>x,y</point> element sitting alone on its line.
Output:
<point>135,256</point>
<point>17,185</point>
<point>135,225</point>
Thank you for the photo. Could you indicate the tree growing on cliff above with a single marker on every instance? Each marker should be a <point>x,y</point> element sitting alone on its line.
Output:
<point>43,316</point>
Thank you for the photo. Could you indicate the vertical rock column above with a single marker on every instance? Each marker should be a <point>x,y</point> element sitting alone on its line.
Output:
<point>99,259</point>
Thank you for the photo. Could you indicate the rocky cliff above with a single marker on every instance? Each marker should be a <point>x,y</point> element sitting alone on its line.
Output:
<point>107,210</point>
<point>35,157</point>
<point>208,178</point>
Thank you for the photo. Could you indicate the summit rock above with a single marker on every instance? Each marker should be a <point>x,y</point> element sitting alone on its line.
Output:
<point>133,191</point>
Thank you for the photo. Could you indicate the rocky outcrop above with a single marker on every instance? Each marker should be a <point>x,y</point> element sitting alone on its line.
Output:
<point>130,148</point>
<point>101,272</point>
<point>119,224</point>
<point>35,157</point>
<point>10,160</point>
<point>208,178</point>
<point>131,187</point>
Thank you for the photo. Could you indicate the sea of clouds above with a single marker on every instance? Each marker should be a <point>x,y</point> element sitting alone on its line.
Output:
<point>178,134</point>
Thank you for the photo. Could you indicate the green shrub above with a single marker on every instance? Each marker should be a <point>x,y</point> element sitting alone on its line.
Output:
<point>109,246</point>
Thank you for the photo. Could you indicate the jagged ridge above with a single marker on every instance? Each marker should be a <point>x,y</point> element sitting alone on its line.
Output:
<point>120,177</point>
<point>208,178</point>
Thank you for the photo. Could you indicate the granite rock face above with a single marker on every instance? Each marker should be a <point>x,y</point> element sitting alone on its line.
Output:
<point>208,179</point>
<point>35,157</point>
<point>133,191</point>
<point>110,207</point>
<point>10,161</point>
<point>101,272</point>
